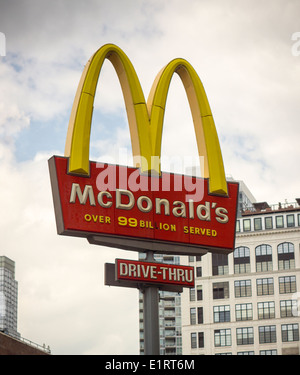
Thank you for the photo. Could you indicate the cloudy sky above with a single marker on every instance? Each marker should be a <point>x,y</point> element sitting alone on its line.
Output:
<point>245,56</point>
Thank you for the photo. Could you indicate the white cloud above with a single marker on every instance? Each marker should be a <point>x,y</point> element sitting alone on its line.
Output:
<point>62,299</point>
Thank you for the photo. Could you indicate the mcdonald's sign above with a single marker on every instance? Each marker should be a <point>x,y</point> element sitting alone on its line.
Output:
<point>140,207</point>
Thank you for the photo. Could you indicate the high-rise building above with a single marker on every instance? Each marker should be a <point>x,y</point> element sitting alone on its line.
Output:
<point>8,297</point>
<point>247,302</point>
<point>169,315</point>
<point>246,200</point>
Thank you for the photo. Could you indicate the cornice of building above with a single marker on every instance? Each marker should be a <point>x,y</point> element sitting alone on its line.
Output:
<point>267,232</point>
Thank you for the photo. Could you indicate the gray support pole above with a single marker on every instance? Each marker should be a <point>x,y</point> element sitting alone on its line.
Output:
<point>151,316</point>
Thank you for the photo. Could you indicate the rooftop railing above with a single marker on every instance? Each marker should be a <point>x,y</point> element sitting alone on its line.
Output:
<point>28,342</point>
<point>265,207</point>
<point>40,347</point>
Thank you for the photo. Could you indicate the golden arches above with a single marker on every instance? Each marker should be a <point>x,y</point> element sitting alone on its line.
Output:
<point>145,121</point>
<point>205,130</point>
<point>78,136</point>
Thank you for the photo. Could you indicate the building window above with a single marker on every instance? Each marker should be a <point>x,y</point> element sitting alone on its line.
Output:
<point>289,332</point>
<point>265,286</point>
<point>178,341</point>
<point>286,257</point>
<point>222,337</point>
<point>298,219</point>
<point>269,222</point>
<point>266,310</point>
<point>193,340</point>
<point>290,220</point>
<point>242,288</point>
<point>198,271</point>
<point>238,227</point>
<point>243,311</point>
<point>241,259</point>
<point>221,290</point>
<point>200,315</point>
<point>268,352</point>
<point>193,315</point>
<point>279,221</point>
<point>219,264</point>
<point>199,293</point>
<point>246,353</point>
<point>263,255</point>
<point>244,336</point>
<point>246,225</point>
<point>287,284</point>
<point>267,334</point>
<point>257,223</point>
<point>286,308</point>
<point>201,339</point>
<point>228,353</point>
<point>221,314</point>
<point>192,294</point>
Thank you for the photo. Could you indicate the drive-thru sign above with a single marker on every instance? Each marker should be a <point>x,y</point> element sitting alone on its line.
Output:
<point>156,273</point>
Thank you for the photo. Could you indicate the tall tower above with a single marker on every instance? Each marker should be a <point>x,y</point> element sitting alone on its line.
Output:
<point>169,315</point>
<point>8,297</point>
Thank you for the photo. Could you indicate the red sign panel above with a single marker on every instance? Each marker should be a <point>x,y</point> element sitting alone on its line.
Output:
<point>117,206</point>
<point>158,273</point>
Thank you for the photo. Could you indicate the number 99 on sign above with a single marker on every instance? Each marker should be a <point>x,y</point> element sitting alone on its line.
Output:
<point>124,221</point>
<point>133,222</point>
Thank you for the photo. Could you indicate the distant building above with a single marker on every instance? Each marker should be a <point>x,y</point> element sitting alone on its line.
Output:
<point>247,302</point>
<point>8,297</point>
<point>169,315</point>
<point>11,342</point>
<point>12,346</point>
<point>246,200</point>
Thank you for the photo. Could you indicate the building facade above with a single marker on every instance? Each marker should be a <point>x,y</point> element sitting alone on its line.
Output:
<point>247,302</point>
<point>8,297</point>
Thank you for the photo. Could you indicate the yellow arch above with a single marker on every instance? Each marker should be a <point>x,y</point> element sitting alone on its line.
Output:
<point>78,135</point>
<point>145,121</point>
<point>205,130</point>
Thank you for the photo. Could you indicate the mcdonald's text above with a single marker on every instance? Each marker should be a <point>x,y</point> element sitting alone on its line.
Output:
<point>125,200</point>
<point>159,216</point>
<point>160,273</point>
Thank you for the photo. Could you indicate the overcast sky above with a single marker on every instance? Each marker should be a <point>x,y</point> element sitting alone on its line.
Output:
<point>243,52</point>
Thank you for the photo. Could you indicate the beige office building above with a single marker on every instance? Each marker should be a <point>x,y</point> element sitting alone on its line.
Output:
<point>247,302</point>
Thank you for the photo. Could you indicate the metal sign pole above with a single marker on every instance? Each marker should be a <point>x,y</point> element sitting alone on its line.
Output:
<point>151,316</point>
<point>126,273</point>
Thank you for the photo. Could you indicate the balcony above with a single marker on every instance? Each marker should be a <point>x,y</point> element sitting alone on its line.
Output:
<point>170,333</point>
<point>170,323</point>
